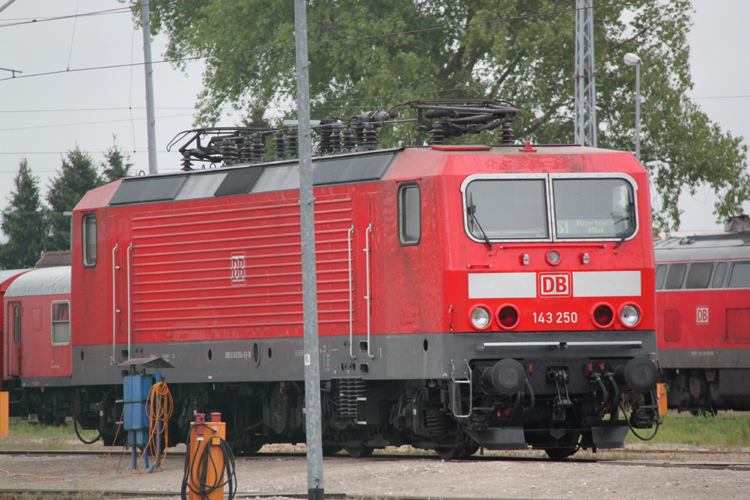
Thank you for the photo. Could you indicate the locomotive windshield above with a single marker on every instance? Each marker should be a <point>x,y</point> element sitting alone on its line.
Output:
<point>593,208</point>
<point>507,209</point>
<point>517,207</point>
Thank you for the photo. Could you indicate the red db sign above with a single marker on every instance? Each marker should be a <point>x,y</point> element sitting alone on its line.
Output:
<point>555,285</point>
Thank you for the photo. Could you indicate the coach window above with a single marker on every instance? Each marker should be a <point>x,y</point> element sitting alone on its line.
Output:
<point>661,273</point>
<point>17,324</point>
<point>721,271</point>
<point>699,275</point>
<point>89,240</point>
<point>676,276</point>
<point>740,277</point>
<point>507,209</point>
<point>593,208</point>
<point>61,323</point>
<point>409,215</point>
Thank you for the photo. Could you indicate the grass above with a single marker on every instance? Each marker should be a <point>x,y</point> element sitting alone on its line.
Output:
<point>727,431</point>
<point>30,435</point>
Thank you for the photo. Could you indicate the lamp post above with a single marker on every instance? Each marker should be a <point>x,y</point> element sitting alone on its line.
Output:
<point>633,60</point>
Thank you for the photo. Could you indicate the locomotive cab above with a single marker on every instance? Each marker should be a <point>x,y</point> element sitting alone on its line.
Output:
<point>551,276</point>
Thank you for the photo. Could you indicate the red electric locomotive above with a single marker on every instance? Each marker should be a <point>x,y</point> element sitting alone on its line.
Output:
<point>495,296</point>
<point>702,285</point>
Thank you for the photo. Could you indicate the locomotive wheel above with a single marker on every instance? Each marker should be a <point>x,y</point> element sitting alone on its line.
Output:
<point>330,450</point>
<point>450,453</point>
<point>359,451</point>
<point>469,450</point>
<point>566,446</point>
<point>251,449</point>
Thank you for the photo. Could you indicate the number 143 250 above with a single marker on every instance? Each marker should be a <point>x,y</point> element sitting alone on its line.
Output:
<point>556,317</point>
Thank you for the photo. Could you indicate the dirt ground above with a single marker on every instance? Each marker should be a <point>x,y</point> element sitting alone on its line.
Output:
<point>427,476</point>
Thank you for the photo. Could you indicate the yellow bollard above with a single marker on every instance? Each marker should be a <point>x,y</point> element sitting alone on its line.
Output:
<point>3,414</point>
<point>661,397</point>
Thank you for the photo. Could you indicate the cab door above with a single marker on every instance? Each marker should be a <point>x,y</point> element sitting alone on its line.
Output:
<point>13,345</point>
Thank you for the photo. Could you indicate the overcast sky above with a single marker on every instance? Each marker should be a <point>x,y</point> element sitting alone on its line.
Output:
<point>42,117</point>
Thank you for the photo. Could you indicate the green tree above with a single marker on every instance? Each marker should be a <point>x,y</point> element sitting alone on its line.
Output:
<point>24,222</point>
<point>77,175</point>
<point>371,55</point>
<point>116,164</point>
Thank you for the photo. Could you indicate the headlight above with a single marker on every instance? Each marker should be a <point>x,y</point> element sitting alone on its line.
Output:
<point>553,258</point>
<point>480,318</point>
<point>629,316</point>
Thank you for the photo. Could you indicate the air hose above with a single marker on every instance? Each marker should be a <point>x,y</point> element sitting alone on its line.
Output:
<point>75,428</point>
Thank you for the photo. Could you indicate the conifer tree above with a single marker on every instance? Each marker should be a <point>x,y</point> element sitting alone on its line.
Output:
<point>77,175</point>
<point>117,164</point>
<point>24,222</point>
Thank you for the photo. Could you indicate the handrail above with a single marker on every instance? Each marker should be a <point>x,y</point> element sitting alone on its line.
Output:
<point>351,302</point>
<point>114,300</point>
<point>130,249</point>
<point>369,295</point>
<point>456,392</point>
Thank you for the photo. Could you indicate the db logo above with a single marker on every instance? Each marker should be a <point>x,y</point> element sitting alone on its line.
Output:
<point>557,285</point>
<point>701,315</point>
<point>238,268</point>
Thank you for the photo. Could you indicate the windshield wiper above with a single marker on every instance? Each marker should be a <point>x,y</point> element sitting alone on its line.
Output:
<point>471,211</point>
<point>630,217</point>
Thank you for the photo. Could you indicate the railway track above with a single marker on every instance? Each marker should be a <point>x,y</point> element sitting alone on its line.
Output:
<point>660,457</point>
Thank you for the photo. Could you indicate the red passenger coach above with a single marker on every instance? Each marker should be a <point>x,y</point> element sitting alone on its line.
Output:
<point>496,296</point>
<point>6,278</point>
<point>37,344</point>
<point>703,299</point>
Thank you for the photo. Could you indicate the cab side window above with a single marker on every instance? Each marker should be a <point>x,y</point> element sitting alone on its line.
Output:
<point>409,215</point>
<point>89,240</point>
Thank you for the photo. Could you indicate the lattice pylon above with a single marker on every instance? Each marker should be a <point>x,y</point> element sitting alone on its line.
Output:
<point>585,90</point>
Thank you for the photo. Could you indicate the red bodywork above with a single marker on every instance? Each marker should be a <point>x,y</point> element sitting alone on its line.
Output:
<point>10,278</point>
<point>35,356</point>
<point>180,264</point>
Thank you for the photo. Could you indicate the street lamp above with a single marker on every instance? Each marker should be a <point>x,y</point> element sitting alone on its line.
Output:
<point>633,60</point>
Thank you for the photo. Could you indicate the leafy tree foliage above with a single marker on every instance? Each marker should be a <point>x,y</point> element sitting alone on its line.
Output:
<point>24,222</point>
<point>371,55</point>
<point>77,175</point>
<point>116,164</point>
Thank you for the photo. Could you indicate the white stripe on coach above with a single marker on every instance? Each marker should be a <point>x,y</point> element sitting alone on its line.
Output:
<point>607,284</point>
<point>502,286</point>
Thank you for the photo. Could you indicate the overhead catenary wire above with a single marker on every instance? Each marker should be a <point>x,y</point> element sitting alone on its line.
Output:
<point>37,20</point>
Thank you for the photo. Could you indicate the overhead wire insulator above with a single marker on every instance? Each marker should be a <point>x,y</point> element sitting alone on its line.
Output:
<point>347,140</point>
<point>507,134</point>
<point>437,134</point>
<point>246,150</point>
<point>335,138</point>
<point>259,148</point>
<point>359,134</point>
<point>228,151</point>
<point>324,145</point>
<point>279,145</point>
<point>370,137</point>
<point>292,143</point>
<point>186,163</point>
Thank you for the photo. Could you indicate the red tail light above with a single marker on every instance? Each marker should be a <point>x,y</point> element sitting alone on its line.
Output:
<point>603,315</point>
<point>507,316</point>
